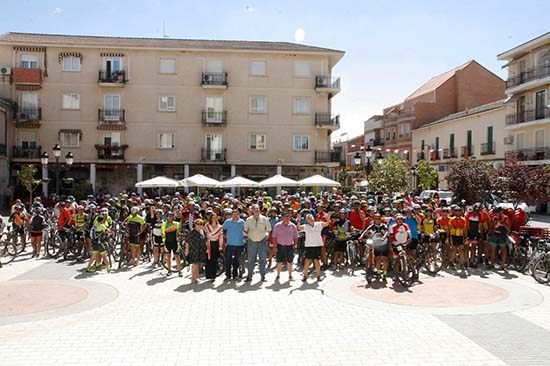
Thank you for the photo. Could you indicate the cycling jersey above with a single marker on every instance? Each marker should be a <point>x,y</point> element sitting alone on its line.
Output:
<point>134,224</point>
<point>170,232</point>
<point>400,233</point>
<point>443,222</point>
<point>457,226</point>
<point>80,221</point>
<point>428,225</point>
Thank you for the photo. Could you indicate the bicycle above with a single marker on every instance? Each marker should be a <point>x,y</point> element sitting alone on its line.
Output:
<point>377,242</point>
<point>405,268</point>
<point>8,252</point>
<point>540,266</point>
<point>429,254</point>
<point>353,255</point>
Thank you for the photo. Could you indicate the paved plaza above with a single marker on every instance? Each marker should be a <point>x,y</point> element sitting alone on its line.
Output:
<point>57,314</point>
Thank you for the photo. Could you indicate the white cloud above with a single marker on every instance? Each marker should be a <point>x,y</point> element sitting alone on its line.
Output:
<point>299,35</point>
<point>249,9</point>
<point>56,11</point>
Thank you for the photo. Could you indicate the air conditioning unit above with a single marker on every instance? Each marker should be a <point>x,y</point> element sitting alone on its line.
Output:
<point>508,140</point>
<point>205,78</point>
<point>322,80</point>
<point>5,70</point>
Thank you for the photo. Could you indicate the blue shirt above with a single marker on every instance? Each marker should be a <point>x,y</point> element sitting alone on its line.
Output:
<point>234,232</point>
<point>413,225</point>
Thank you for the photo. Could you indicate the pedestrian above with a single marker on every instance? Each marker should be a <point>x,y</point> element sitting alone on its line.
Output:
<point>195,249</point>
<point>38,224</point>
<point>169,230</point>
<point>234,233</point>
<point>313,243</point>
<point>258,228</point>
<point>285,234</point>
<point>214,245</point>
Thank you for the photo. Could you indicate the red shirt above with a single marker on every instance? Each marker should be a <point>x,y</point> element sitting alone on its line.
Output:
<point>65,218</point>
<point>399,233</point>
<point>357,219</point>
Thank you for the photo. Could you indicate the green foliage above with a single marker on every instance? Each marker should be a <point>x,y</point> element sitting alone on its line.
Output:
<point>470,180</point>
<point>390,176</point>
<point>26,178</point>
<point>523,183</point>
<point>427,175</point>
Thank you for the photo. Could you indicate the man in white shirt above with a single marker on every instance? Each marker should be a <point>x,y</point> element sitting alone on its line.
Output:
<point>257,227</point>
<point>313,243</point>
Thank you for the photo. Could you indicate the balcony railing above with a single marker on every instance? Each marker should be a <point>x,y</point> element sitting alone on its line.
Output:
<point>420,156</point>
<point>527,116</point>
<point>327,83</point>
<point>27,76</point>
<point>539,153</point>
<point>213,154</point>
<point>327,120</point>
<point>377,142</point>
<point>27,152</point>
<point>535,73</point>
<point>113,77</point>
<point>110,152</point>
<point>327,156</point>
<point>214,79</point>
<point>28,114</point>
<point>467,151</point>
<point>210,118</point>
<point>450,153</point>
<point>488,149</point>
<point>115,116</point>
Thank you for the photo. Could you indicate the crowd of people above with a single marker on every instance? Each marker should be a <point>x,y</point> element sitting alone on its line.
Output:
<point>206,226</point>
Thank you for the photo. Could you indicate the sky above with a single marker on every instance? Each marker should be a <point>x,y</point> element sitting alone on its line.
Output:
<point>392,47</point>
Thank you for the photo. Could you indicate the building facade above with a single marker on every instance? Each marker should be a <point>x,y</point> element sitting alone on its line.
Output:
<point>132,108</point>
<point>528,106</point>
<point>465,87</point>
<point>476,132</point>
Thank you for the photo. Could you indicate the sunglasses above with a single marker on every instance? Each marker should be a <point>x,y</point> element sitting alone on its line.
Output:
<point>199,224</point>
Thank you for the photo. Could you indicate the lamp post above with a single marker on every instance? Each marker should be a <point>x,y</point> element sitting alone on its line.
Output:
<point>69,159</point>
<point>413,174</point>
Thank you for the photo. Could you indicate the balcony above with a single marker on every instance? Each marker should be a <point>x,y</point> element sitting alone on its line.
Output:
<point>527,116</point>
<point>26,76</point>
<point>28,117</point>
<point>327,84</point>
<point>327,120</point>
<point>214,80</point>
<point>536,73</point>
<point>467,151</point>
<point>213,154</point>
<point>27,152</point>
<point>110,152</point>
<point>112,78</point>
<point>420,156</point>
<point>111,119</point>
<point>211,118</point>
<point>539,153</point>
<point>327,156</point>
<point>450,153</point>
<point>488,149</point>
<point>377,142</point>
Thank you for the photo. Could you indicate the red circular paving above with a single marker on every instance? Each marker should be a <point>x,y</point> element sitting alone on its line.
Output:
<point>21,299</point>
<point>434,292</point>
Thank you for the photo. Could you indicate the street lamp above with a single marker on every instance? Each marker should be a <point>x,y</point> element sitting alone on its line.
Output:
<point>379,158</point>
<point>413,173</point>
<point>69,159</point>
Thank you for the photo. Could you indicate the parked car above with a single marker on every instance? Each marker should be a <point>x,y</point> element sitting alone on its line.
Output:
<point>443,195</point>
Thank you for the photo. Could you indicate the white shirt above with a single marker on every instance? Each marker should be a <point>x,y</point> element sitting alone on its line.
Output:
<point>313,234</point>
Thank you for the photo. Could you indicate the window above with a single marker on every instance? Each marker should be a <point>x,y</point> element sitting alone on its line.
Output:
<point>258,105</point>
<point>214,109</point>
<point>301,69</point>
<point>113,139</point>
<point>69,139</point>
<point>112,108</point>
<point>167,65</point>
<point>112,64</point>
<point>167,140</point>
<point>71,101</point>
<point>26,139</point>
<point>520,140</point>
<point>258,68</point>
<point>71,63</point>
<point>167,103</point>
<point>214,66</point>
<point>301,105</point>
<point>29,61</point>
<point>214,146</point>
<point>404,130</point>
<point>539,139</point>
<point>257,142</point>
<point>540,105</point>
<point>301,143</point>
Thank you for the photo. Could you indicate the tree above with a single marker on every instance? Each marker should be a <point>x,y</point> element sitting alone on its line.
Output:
<point>389,176</point>
<point>470,180</point>
<point>26,178</point>
<point>523,183</point>
<point>427,175</point>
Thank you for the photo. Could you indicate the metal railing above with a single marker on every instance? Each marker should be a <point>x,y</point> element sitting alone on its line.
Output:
<point>214,118</point>
<point>527,116</point>
<point>28,114</point>
<point>214,78</point>
<point>106,76</point>
<point>467,151</point>
<point>110,152</point>
<point>450,153</point>
<point>378,142</point>
<point>326,119</point>
<point>327,156</point>
<point>213,154</point>
<point>27,152</point>
<point>488,149</point>
<point>538,153</point>
<point>535,73</point>
<point>327,81</point>
<point>111,115</point>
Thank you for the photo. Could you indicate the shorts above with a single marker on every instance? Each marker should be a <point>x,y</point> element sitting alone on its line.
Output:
<point>495,241</point>
<point>313,252</point>
<point>340,245</point>
<point>285,253</point>
<point>382,251</point>
<point>134,240</point>
<point>20,230</point>
<point>457,240</point>
<point>473,236</point>
<point>157,240</point>
<point>36,234</point>
<point>413,245</point>
<point>133,245</point>
<point>171,248</point>
<point>97,247</point>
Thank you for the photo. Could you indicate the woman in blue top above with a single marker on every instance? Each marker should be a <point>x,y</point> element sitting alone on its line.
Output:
<point>412,222</point>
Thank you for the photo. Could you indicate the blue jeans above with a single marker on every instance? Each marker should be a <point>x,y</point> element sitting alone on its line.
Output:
<point>232,257</point>
<point>256,248</point>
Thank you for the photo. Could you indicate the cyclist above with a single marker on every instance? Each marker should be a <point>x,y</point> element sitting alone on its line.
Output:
<point>135,227</point>
<point>413,220</point>
<point>80,224</point>
<point>401,237</point>
<point>64,223</point>
<point>381,253</point>
<point>428,227</point>
<point>500,226</point>
<point>156,224</point>
<point>99,254</point>
<point>443,230</point>
<point>170,229</point>
<point>17,218</point>
<point>341,228</point>
<point>457,232</point>
<point>473,227</point>
<point>38,224</point>
<point>313,243</point>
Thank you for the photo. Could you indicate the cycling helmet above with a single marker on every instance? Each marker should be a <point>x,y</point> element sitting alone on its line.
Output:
<point>91,207</point>
<point>134,209</point>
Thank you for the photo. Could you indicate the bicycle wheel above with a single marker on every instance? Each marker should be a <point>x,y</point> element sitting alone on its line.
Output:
<point>54,246</point>
<point>518,259</point>
<point>541,270</point>
<point>405,273</point>
<point>8,252</point>
<point>220,265</point>
<point>434,260</point>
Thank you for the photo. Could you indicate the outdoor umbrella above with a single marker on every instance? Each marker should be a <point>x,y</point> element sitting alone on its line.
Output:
<point>318,181</point>
<point>238,182</point>
<point>158,182</point>
<point>278,181</point>
<point>199,180</point>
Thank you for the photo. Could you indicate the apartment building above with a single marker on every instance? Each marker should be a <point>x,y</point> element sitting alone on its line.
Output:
<point>475,132</point>
<point>465,87</point>
<point>528,105</point>
<point>374,132</point>
<point>132,108</point>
